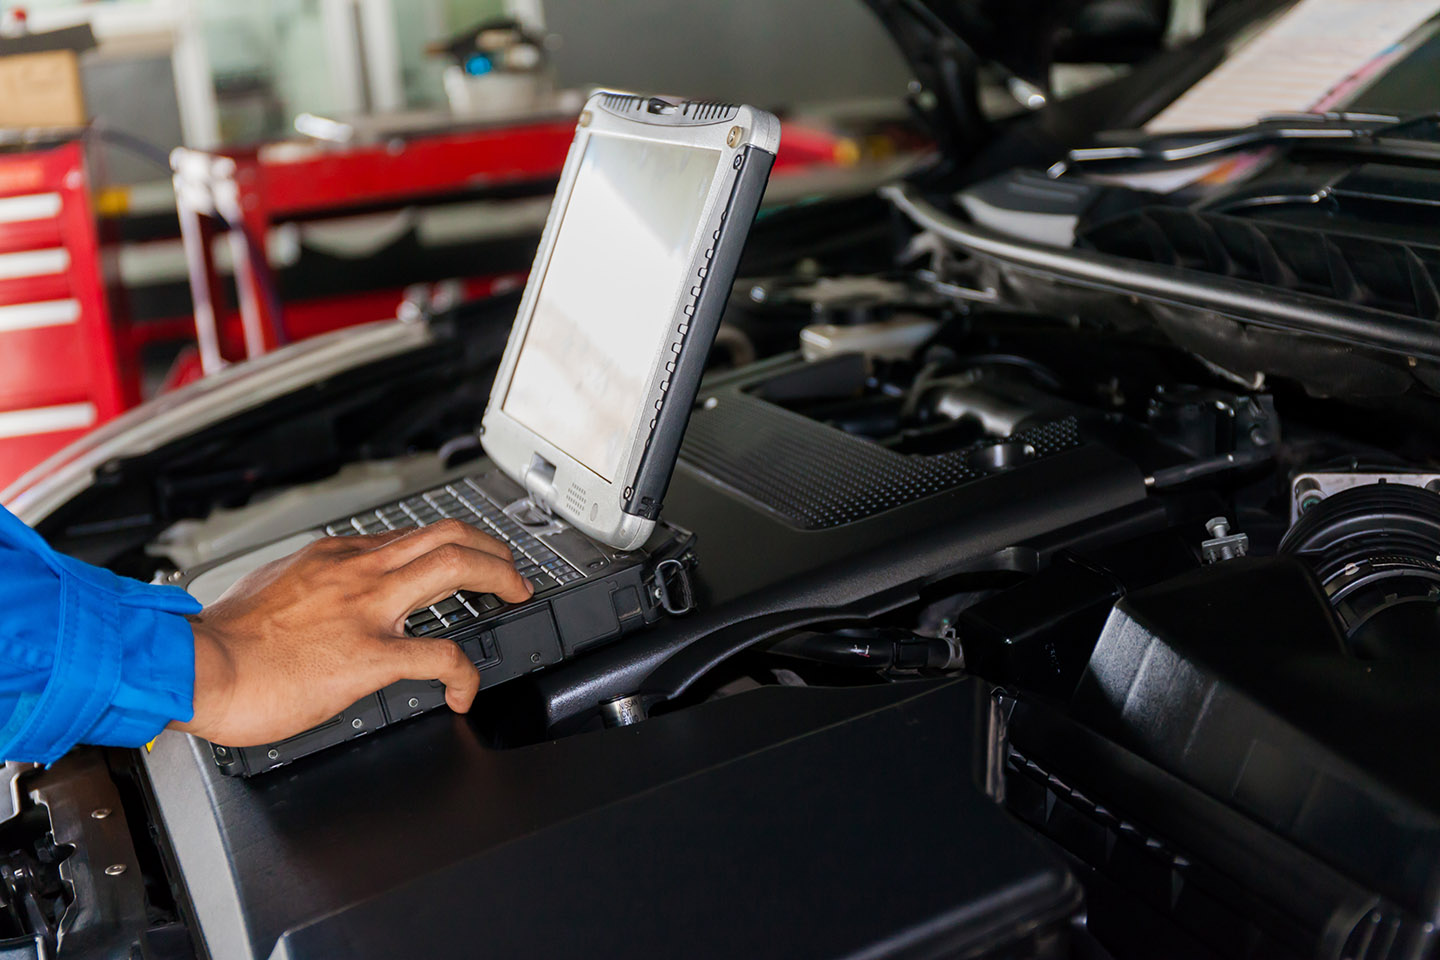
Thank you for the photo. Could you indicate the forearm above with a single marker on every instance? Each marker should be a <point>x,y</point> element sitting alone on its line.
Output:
<point>108,660</point>
<point>214,682</point>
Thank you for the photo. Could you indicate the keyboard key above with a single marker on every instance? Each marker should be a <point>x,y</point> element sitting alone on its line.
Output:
<point>447,606</point>
<point>482,602</point>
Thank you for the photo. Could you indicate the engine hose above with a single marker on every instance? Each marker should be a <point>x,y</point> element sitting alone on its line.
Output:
<point>870,650</point>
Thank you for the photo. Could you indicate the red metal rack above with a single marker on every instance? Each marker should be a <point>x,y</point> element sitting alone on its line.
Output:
<point>248,192</point>
<point>60,372</point>
<point>243,194</point>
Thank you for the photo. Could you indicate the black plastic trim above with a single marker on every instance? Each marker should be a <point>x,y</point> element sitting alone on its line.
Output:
<point>1252,303</point>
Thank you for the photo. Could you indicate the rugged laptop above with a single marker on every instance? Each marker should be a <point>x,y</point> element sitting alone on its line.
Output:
<point>588,408</point>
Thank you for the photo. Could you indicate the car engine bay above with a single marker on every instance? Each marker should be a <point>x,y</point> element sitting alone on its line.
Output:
<point>1172,618</point>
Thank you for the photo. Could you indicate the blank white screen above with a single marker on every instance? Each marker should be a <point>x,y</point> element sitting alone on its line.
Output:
<point>601,316</point>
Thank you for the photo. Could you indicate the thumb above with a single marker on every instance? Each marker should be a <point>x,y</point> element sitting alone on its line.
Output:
<point>437,658</point>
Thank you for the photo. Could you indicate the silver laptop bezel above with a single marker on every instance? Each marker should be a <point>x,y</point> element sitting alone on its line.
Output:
<point>576,493</point>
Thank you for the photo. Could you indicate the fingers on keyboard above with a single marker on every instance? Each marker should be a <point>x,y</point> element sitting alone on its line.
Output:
<point>462,514</point>
<point>419,542</point>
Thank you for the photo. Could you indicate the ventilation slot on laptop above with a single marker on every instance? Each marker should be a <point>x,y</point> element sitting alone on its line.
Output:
<point>709,110</point>
<point>621,101</point>
<point>575,499</point>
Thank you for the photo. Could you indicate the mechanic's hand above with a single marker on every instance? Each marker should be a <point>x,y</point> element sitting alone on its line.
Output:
<point>300,639</point>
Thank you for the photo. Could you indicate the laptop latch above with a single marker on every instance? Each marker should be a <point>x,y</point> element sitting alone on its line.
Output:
<point>670,587</point>
<point>669,577</point>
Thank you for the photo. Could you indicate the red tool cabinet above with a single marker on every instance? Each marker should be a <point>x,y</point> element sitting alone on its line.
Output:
<point>60,373</point>
<point>67,364</point>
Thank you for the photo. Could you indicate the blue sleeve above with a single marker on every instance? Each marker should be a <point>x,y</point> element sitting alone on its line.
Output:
<point>85,656</point>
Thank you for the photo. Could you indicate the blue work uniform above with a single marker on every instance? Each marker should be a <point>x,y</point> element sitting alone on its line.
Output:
<point>86,656</point>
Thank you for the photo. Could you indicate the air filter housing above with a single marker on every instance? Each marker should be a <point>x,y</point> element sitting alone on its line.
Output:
<point>1376,549</point>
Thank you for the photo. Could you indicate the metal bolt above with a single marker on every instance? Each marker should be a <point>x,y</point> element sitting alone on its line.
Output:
<point>534,658</point>
<point>115,869</point>
<point>1308,492</point>
<point>222,751</point>
<point>273,754</point>
<point>1218,527</point>
<point>414,702</point>
<point>100,814</point>
<point>734,137</point>
<point>357,723</point>
<point>622,711</point>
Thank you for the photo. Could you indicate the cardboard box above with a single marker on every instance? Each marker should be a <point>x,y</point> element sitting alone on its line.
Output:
<point>40,79</point>
<point>41,90</point>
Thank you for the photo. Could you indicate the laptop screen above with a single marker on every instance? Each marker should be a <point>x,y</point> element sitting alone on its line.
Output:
<point>606,301</point>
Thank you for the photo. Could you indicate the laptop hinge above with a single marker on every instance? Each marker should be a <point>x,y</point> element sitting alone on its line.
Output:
<point>539,482</point>
<point>538,505</point>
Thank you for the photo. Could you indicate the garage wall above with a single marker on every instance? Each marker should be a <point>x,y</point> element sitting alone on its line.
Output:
<point>768,52</point>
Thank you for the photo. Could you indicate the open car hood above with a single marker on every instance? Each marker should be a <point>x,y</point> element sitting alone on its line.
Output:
<point>947,42</point>
<point>1026,36</point>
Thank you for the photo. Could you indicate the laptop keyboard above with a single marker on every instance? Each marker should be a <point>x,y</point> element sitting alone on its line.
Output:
<point>463,500</point>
